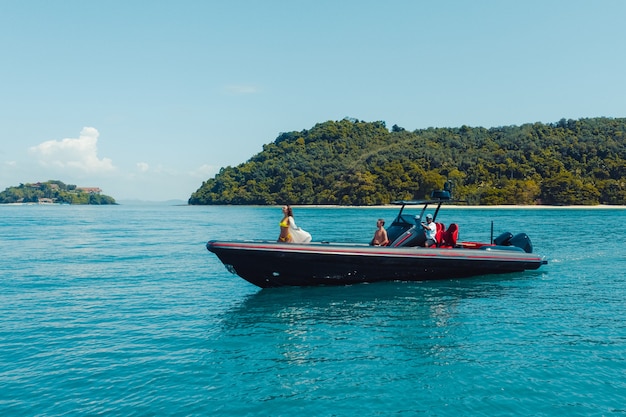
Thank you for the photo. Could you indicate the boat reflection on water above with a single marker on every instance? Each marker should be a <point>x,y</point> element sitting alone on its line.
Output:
<point>359,324</point>
<point>386,303</point>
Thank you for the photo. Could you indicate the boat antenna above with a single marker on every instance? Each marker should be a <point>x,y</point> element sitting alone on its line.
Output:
<point>492,232</point>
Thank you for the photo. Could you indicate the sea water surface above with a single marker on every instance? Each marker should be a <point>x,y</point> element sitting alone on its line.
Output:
<point>121,310</point>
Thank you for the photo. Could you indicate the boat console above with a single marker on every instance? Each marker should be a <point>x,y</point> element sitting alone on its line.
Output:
<point>406,229</point>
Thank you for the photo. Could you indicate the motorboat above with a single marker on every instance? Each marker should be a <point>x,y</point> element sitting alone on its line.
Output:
<point>267,263</point>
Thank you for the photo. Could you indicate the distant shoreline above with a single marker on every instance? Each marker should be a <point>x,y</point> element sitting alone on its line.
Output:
<point>384,206</point>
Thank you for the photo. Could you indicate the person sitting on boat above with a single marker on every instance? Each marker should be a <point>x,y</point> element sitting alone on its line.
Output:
<point>430,230</point>
<point>380,236</point>
<point>285,235</point>
<point>289,231</point>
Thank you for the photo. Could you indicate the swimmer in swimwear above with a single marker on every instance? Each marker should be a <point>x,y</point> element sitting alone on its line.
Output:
<point>285,236</point>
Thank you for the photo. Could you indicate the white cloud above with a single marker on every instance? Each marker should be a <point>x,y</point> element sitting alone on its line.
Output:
<point>79,154</point>
<point>143,167</point>
<point>204,171</point>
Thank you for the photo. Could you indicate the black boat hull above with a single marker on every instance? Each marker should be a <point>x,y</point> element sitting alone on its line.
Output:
<point>271,264</point>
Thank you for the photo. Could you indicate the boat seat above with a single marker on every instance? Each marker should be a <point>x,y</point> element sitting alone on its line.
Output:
<point>474,245</point>
<point>441,229</point>
<point>450,236</point>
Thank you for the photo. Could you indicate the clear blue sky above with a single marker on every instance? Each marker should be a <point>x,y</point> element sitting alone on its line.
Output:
<point>147,99</point>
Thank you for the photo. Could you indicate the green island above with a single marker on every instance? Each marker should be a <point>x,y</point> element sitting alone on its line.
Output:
<point>54,192</point>
<point>352,162</point>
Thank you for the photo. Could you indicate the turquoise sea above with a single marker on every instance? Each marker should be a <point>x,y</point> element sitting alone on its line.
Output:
<point>121,310</point>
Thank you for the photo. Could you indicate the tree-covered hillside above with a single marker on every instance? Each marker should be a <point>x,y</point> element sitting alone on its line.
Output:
<point>53,191</point>
<point>351,162</point>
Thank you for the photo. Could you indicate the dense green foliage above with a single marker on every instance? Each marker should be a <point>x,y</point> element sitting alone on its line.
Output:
<point>53,191</point>
<point>350,162</point>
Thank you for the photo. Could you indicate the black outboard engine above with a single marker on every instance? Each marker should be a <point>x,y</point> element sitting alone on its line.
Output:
<point>504,239</point>
<point>521,240</point>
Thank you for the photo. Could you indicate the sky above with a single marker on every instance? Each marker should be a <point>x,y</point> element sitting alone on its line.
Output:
<point>148,99</point>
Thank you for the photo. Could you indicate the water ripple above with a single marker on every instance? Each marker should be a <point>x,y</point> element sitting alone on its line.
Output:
<point>123,311</point>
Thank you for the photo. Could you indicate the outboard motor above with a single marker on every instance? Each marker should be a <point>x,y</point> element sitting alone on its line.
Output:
<point>521,240</point>
<point>504,239</point>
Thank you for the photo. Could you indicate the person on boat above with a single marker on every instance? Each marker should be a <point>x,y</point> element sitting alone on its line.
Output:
<point>289,231</point>
<point>380,236</point>
<point>285,235</point>
<point>430,230</point>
